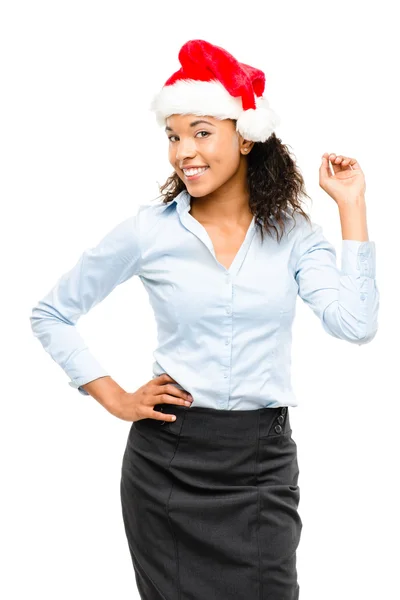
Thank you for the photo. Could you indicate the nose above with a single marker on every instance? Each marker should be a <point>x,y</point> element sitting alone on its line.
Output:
<point>185,149</point>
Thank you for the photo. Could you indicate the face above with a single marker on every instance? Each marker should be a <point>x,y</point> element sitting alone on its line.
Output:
<point>211,144</point>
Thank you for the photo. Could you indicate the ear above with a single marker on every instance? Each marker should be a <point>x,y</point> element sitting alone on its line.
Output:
<point>245,146</point>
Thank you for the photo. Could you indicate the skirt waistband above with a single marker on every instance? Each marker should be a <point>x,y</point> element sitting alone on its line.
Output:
<point>199,421</point>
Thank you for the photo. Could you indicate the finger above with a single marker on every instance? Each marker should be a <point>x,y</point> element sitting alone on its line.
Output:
<point>325,169</point>
<point>165,377</point>
<point>158,415</point>
<point>354,164</point>
<point>345,164</point>
<point>170,399</point>
<point>336,160</point>
<point>340,162</point>
<point>171,389</point>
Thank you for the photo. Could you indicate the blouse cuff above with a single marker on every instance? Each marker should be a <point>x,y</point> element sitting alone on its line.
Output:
<point>359,256</point>
<point>82,369</point>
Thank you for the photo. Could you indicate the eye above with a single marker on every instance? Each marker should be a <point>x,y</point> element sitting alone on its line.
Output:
<point>174,136</point>
<point>206,132</point>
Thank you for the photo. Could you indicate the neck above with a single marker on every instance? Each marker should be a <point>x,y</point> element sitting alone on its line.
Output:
<point>222,206</point>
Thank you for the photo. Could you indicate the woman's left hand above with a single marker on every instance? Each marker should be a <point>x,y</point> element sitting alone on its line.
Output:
<point>347,184</point>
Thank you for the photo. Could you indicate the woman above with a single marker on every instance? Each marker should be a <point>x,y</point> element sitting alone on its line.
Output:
<point>209,482</point>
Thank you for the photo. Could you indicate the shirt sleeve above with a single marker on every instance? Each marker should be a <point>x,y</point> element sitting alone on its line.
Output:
<point>345,300</point>
<point>98,271</point>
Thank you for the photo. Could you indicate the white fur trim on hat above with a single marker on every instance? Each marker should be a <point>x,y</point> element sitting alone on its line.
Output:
<point>257,124</point>
<point>188,96</point>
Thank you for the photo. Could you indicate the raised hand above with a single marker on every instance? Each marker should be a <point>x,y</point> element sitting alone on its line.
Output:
<point>347,183</point>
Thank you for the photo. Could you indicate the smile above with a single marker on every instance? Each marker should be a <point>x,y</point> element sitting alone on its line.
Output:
<point>191,174</point>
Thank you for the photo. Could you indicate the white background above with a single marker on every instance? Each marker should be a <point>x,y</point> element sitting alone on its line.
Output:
<point>80,151</point>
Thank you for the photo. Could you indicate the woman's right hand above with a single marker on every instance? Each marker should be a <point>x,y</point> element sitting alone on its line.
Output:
<point>140,404</point>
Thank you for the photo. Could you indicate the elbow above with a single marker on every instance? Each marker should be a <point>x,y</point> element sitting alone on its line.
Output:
<point>361,338</point>
<point>37,316</point>
<point>348,326</point>
<point>370,328</point>
<point>40,319</point>
<point>348,333</point>
<point>368,337</point>
<point>44,312</point>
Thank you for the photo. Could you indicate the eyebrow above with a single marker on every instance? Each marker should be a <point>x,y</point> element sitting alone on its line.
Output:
<point>193,124</point>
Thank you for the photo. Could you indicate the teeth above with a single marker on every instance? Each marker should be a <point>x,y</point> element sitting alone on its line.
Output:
<point>191,172</point>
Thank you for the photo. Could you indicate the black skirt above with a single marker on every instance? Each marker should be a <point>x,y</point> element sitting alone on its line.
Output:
<point>210,505</point>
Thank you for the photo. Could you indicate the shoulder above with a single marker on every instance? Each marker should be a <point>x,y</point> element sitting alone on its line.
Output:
<point>305,236</point>
<point>297,227</point>
<point>125,237</point>
<point>150,213</point>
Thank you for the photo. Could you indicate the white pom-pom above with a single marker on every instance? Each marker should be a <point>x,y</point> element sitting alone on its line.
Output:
<point>257,124</point>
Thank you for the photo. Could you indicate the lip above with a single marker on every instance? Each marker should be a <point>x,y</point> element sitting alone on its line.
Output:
<point>193,167</point>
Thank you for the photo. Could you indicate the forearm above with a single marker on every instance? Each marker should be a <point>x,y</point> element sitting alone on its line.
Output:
<point>104,389</point>
<point>353,219</point>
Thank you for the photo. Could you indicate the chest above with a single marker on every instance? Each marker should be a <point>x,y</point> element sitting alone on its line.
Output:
<point>226,243</point>
<point>191,282</point>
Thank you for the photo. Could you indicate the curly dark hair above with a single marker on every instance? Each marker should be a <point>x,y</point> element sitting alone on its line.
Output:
<point>275,183</point>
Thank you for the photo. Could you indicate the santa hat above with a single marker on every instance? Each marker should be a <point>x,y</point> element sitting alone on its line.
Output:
<point>212,82</point>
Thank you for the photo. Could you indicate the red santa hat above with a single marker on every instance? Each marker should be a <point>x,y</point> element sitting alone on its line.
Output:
<point>212,82</point>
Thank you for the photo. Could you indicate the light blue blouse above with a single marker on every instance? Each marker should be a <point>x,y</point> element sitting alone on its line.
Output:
<point>223,334</point>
